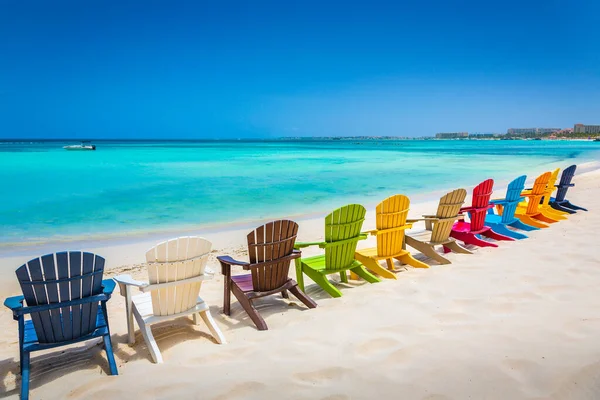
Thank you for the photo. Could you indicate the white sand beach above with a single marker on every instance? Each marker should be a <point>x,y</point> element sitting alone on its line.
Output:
<point>520,321</point>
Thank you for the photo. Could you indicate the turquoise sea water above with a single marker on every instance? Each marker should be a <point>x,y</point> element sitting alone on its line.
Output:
<point>126,187</point>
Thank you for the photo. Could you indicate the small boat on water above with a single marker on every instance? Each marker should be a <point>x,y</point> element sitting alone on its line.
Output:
<point>82,146</point>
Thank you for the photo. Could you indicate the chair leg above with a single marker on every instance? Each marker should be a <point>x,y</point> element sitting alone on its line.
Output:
<point>544,218</point>
<point>496,236</point>
<point>129,312</point>
<point>426,249</point>
<point>469,238</point>
<point>531,221</point>
<point>570,205</point>
<point>212,326</point>
<point>559,207</point>
<point>110,355</point>
<point>456,247</point>
<point>518,224</point>
<point>323,282</point>
<point>149,339</point>
<point>299,276</point>
<point>503,230</point>
<point>227,293</point>
<point>303,297</point>
<point>390,264</point>
<point>284,294</point>
<point>430,252</point>
<point>410,260</point>
<point>366,275</point>
<point>344,276</point>
<point>25,376</point>
<point>374,266</point>
<point>549,212</point>
<point>260,323</point>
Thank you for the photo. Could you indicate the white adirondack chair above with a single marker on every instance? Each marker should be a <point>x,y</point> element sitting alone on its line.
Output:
<point>176,269</point>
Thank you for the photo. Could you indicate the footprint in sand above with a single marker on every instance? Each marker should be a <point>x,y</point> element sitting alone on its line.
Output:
<point>336,397</point>
<point>380,345</point>
<point>501,308</point>
<point>322,376</point>
<point>242,390</point>
<point>519,368</point>
<point>452,317</point>
<point>581,385</point>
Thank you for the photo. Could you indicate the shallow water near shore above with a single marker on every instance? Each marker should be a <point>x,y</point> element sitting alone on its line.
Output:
<point>131,187</point>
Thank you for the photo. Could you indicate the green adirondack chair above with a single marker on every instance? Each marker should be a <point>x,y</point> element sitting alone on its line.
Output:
<point>342,233</point>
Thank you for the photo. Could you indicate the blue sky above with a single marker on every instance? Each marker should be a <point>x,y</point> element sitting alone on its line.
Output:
<point>196,69</point>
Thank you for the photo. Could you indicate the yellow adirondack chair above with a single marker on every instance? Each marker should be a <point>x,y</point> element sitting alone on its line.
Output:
<point>391,225</point>
<point>530,212</point>
<point>438,228</point>
<point>545,206</point>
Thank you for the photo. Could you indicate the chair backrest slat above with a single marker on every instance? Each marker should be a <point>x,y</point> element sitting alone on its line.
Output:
<point>391,213</point>
<point>57,278</point>
<point>565,182</point>
<point>49,269</point>
<point>175,260</point>
<point>537,192</point>
<point>448,207</point>
<point>481,200</point>
<point>343,223</point>
<point>550,187</point>
<point>513,195</point>
<point>270,242</point>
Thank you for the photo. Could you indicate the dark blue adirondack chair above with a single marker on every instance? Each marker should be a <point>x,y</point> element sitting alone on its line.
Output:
<point>560,202</point>
<point>500,223</point>
<point>66,299</point>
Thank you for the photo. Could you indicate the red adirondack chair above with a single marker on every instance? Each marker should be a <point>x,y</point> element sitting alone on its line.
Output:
<point>468,231</point>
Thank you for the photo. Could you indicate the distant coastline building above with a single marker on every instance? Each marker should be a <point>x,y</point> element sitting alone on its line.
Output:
<point>529,131</point>
<point>581,128</point>
<point>452,135</point>
<point>483,135</point>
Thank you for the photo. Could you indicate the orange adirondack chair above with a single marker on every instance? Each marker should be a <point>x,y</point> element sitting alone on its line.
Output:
<point>530,212</point>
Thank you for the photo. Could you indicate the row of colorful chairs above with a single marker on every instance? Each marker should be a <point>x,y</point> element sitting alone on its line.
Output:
<point>66,296</point>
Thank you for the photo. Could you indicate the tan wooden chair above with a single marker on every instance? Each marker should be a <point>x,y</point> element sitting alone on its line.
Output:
<point>176,269</point>
<point>438,228</point>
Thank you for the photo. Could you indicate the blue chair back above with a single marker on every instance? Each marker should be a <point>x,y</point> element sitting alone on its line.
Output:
<point>565,182</point>
<point>60,278</point>
<point>513,197</point>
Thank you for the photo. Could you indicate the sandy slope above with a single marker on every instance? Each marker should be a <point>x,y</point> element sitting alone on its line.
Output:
<point>520,321</point>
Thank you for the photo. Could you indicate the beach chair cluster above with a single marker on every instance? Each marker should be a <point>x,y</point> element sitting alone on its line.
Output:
<point>66,296</point>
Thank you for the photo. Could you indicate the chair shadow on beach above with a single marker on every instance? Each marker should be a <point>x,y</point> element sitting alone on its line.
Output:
<point>167,334</point>
<point>46,368</point>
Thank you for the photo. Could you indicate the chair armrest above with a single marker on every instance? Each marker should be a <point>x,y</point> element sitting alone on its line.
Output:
<point>125,281</point>
<point>129,281</point>
<point>230,261</point>
<point>498,201</point>
<point>372,232</point>
<point>301,245</point>
<point>108,286</point>
<point>414,220</point>
<point>227,262</point>
<point>15,303</point>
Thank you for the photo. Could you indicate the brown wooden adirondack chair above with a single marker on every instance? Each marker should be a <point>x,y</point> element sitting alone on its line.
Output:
<point>270,249</point>
<point>438,228</point>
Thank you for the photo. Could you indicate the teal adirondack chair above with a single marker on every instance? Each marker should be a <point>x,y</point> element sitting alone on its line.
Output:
<point>500,222</point>
<point>342,233</point>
